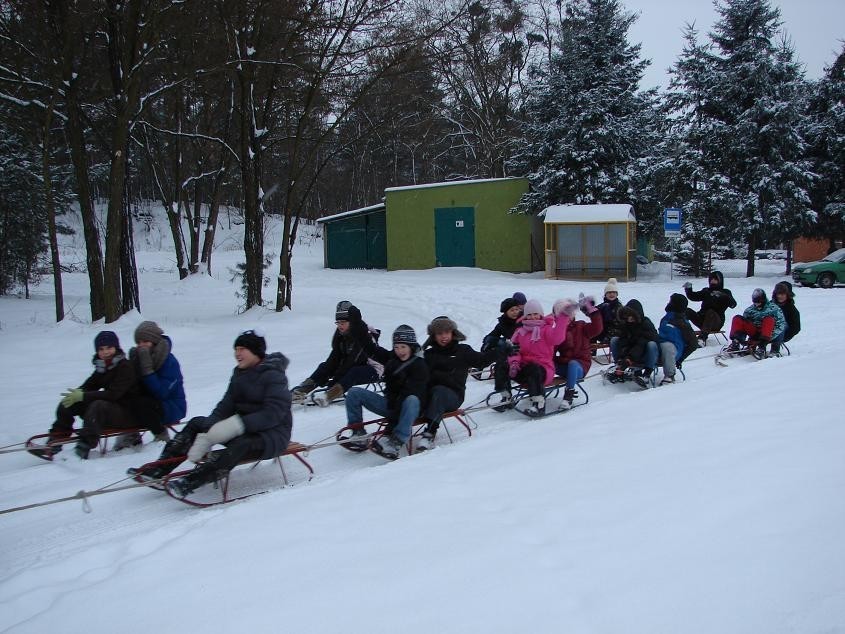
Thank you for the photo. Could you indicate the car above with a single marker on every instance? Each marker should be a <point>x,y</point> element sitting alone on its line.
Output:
<point>826,272</point>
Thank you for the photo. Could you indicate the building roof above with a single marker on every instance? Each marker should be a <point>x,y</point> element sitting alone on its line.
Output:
<point>355,212</point>
<point>585,214</point>
<point>451,183</point>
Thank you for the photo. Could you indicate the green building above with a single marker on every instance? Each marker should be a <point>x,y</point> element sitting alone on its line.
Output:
<point>461,223</point>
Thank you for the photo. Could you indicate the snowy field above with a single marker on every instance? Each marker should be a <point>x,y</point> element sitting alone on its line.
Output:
<point>710,506</point>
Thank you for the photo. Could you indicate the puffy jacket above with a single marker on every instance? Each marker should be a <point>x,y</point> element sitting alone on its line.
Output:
<point>541,351</point>
<point>449,365</point>
<point>718,299</point>
<point>675,328</point>
<point>115,381</point>
<point>350,349</point>
<point>166,383</point>
<point>576,346</point>
<point>769,309</point>
<point>634,337</point>
<point>402,379</point>
<point>260,396</point>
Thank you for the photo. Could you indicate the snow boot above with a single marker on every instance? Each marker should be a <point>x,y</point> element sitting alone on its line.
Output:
<point>387,447</point>
<point>643,377</point>
<point>203,473</point>
<point>300,393</point>
<point>82,449</point>
<point>175,447</point>
<point>774,351</point>
<point>537,407</point>
<point>332,394</point>
<point>504,402</point>
<point>569,395</point>
<point>357,445</point>
<point>125,441</point>
<point>734,346</point>
<point>667,380</point>
<point>425,442</point>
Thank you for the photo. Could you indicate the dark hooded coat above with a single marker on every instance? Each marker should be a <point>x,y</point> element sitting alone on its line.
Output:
<point>718,299</point>
<point>634,337</point>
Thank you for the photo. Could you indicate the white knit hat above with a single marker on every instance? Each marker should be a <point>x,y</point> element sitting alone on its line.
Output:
<point>611,286</point>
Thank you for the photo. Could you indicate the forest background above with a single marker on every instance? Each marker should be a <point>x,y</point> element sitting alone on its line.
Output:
<point>300,108</point>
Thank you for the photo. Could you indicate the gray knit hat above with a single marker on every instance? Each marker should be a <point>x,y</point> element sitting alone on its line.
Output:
<point>148,331</point>
<point>405,334</point>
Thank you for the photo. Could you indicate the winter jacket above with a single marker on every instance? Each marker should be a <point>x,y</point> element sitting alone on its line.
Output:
<point>115,381</point>
<point>542,351</point>
<point>769,309</point>
<point>402,379</point>
<point>634,337</point>
<point>260,396</point>
<point>718,299</point>
<point>505,327</point>
<point>449,365</point>
<point>608,310</point>
<point>676,329</point>
<point>350,349</point>
<point>792,317</point>
<point>576,346</point>
<point>165,383</point>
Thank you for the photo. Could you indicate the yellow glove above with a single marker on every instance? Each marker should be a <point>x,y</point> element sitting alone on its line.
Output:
<point>71,397</point>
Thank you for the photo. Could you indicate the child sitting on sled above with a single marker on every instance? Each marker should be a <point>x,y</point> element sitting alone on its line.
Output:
<point>573,356</point>
<point>252,419</point>
<point>677,338</point>
<point>636,345</point>
<point>533,365</point>
<point>760,324</point>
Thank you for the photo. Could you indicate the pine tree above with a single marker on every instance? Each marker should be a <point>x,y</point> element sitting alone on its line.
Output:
<point>585,116</point>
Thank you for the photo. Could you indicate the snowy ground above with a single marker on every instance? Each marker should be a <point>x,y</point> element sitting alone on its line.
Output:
<point>710,506</point>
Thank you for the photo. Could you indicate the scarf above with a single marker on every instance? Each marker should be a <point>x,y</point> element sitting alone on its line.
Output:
<point>102,367</point>
<point>533,326</point>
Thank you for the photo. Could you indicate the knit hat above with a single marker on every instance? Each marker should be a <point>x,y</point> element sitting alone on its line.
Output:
<point>507,304</point>
<point>341,312</point>
<point>758,296</point>
<point>252,341</point>
<point>444,324</point>
<point>677,303</point>
<point>405,334</point>
<point>106,338</point>
<point>611,286</point>
<point>520,299</point>
<point>533,306</point>
<point>148,331</point>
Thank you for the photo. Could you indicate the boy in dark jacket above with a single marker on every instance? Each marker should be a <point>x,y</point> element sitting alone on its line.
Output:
<point>506,325</point>
<point>783,296</point>
<point>448,362</point>
<point>348,363</point>
<point>161,380</point>
<point>677,339</point>
<point>107,399</point>
<point>715,300</point>
<point>636,344</point>
<point>252,419</point>
<point>405,385</point>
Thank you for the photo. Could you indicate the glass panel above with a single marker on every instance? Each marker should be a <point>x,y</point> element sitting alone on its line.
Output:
<point>569,250</point>
<point>617,249</point>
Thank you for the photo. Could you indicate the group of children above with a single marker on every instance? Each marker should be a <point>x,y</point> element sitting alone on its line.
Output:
<point>144,390</point>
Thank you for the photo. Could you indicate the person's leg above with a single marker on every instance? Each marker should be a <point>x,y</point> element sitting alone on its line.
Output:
<point>533,377</point>
<point>574,373</point>
<point>408,413</point>
<point>101,415</point>
<point>696,317</point>
<point>712,322</point>
<point>321,375</point>
<point>668,352</point>
<point>63,425</point>
<point>614,349</point>
<point>767,327</point>
<point>650,357</point>
<point>739,328</point>
<point>358,375</point>
<point>501,376</point>
<point>358,398</point>
<point>441,399</point>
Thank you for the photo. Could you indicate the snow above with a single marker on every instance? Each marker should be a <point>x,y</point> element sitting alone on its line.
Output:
<point>353,212</point>
<point>588,213</point>
<point>713,505</point>
<point>447,184</point>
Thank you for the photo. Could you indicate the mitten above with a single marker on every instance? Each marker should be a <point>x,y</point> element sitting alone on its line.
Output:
<point>688,285</point>
<point>71,397</point>
<point>221,432</point>
<point>145,361</point>
<point>587,304</point>
<point>564,307</point>
<point>513,368</point>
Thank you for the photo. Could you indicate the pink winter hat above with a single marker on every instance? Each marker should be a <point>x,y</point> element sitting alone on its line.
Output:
<point>533,306</point>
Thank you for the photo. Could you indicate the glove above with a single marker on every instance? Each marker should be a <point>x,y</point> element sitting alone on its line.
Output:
<point>71,397</point>
<point>688,285</point>
<point>221,432</point>
<point>145,361</point>
<point>587,304</point>
<point>513,368</point>
<point>506,347</point>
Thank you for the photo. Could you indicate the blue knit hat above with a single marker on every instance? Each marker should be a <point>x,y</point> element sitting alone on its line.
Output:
<point>106,338</point>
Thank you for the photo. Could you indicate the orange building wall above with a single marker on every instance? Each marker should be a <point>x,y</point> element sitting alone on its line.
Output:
<point>809,250</point>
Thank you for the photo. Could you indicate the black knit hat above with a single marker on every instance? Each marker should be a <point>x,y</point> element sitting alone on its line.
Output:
<point>405,334</point>
<point>677,303</point>
<point>507,304</point>
<point>252,341</point>
<point>758,296</point>
<point>341,312</point>
<point>106,338</point>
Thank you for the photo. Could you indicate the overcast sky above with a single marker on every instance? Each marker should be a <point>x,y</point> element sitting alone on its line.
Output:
<point>816,27</point>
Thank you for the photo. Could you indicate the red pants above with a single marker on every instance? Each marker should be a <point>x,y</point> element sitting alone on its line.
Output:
<point>741,327</point>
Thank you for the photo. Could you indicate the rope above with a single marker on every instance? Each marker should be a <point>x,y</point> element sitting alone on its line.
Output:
<point>81,495</point>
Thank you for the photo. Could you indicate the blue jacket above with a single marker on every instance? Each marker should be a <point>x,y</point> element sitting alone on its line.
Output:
<point>675,328</point>
<point>166,385</point>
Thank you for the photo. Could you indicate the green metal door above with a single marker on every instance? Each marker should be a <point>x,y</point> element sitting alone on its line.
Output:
<point>346,243</point>
<point>376,241</point>
<point>454,236</point>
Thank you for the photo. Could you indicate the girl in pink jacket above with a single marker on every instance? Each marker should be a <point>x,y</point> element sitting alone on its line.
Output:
<point>533,366</point>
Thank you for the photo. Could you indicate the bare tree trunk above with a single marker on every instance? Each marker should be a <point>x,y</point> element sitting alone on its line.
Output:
<point>128,268</point>
<point>752,249</point>
<point>211,223</point>
<point>196,229</point>
<point>50,206</point>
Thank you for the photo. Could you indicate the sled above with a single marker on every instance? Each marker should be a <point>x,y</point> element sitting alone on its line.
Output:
<point>718,335</point>
<point>550,392</point>
<point>747,350</point>
<point>601,353</point>
<point>378,427</point>
<point>630,374</point>
<point>37,442</point>
<point>221,485</point>
<point>374,386</point>
<point>483,374</point>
